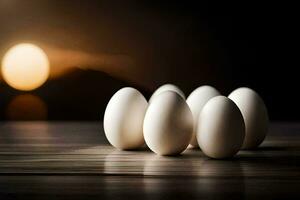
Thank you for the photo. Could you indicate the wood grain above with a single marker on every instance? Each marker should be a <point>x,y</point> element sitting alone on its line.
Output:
<point>73,160</point>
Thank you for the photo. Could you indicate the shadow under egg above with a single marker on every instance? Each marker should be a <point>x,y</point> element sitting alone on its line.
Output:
<point>221,179</point>
<point>187,177</point>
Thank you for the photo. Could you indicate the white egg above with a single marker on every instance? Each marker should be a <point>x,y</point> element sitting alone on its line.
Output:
<point>167,87</point>
<point>221,128</point>
<point>196,100</point>
<point>123,119</point>
<point>168,124</point>
<point>255,116</point>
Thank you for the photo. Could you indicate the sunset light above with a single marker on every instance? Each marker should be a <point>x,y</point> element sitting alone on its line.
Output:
<point>25,67</point>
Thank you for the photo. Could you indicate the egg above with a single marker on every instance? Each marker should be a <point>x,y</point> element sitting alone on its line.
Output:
<point>168,124</point>
<point>123,119</point>
<point>196,100</point>
<point>167,87</point>
<point>255,116</point>
<point>221,128</point>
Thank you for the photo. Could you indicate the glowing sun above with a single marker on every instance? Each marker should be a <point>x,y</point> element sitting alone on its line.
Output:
<point>25,67</point>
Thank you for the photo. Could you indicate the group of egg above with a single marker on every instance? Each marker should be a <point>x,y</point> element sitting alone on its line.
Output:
<point>168,123</point>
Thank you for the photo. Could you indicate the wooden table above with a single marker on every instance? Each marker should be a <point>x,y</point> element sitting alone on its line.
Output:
<point>72,160</point>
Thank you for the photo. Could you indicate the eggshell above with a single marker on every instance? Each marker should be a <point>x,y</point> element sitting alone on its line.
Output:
<point>168,124</point>
<point>167,87</point>
<point>221,128</point>
<point>123,119</point>
<point>196,100</point>
<point>255,116</point>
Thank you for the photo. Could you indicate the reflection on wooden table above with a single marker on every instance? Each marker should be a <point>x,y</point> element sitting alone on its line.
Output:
<point>73,160</point>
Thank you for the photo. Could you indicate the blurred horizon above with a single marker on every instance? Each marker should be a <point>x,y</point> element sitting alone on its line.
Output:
<point>97,47</point>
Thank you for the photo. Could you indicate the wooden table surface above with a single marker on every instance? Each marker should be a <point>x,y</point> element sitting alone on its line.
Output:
<point>72,160</point>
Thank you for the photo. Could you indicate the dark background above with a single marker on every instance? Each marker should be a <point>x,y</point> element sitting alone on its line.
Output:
<point>97,47</point>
